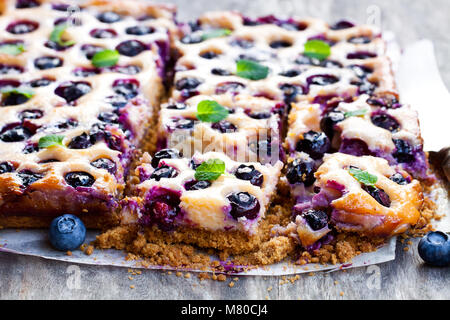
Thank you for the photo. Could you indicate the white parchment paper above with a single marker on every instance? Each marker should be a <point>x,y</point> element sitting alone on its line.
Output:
<point>420,85</point>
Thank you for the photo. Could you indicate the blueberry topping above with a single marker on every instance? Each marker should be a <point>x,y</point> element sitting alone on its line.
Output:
<point>378,194</point>
<point>163,172</point>
<point>14,99</point>
<point>31,148</point>
<point>277,44</point>
<point>403,151</point>
<point>177,106</point>
<point>131,48</point>
<point>220,72</point>
<point>249,173</point>
<point>316,144</point>
<point>331,64</point>
<point>40,82</point>
<point>343,24</point>
<point>131,69</point>
<point>47,62</point>
<point>290,73</point>
<point>25,4</point>
<point>243,43</point>
<point>209,55</point>
<point>85,72</point>
<point>108,117</point>
<point>7,69</point>
<point>291,91</point>
<point>164,154</point>
<point>29,177</point>
<point>361,55</point>
<point>68,124</point>
<point>103,33</point>
<point>90,50</point>
<point>6,167</point>
<point>230,87</point>
<point>224,126</point>
<point>365,86</point>
<point>307,60</point>
<point>197,185</point>
<point>109,17</point>
<point>105,163</point>
<point>301,171</point>
<point>187,84</point>
<point>355,147</point>
<point>243,204</point>
<point>385,121</point>
<point>360,71</point>
<point>22,26</point>
<point>386,101</point>
<point>71,91</point>
<point>82,141</point>
<point>434,249</point>
<point>127,88</point>
<point>329,121</point>
<point>316,219</point>
<point>15,134</point>
<point>184,124</point>
<point>258,115</point>
<point>79,179</point>
<point>192,38</point>
<point>139,30</point>
<point>360,40</point>
<point>322,80</point>
<point>398,178</point>
<point>67,233</point>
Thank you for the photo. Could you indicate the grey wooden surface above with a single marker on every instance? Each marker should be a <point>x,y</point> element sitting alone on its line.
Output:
<point>405,278</point>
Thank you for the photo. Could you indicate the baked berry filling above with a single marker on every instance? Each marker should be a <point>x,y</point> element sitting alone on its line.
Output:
<point>161,208</point>
<point>90,50</point>
<point>343,24</point>
<point>322,80</point>
<point>16,133</point>
<point>28,177</point>
<point>30,148</point>
<point>139,30</point>
<point>359,40</point>
<point>220,72</point>
<point>355,147</point>
<point>291,91</point>
<point>127,88</point>
<point>398,178</point>
<point>43,82</point>
<point>6,167</point>
<point>187,86</point>
<point>243,204</point>
<point>361,55</point>
<point>82,141</point>
<point>249,173</point>
<point>403,151</point>
<point>316,219</point>
<point>243,43</point>
<point>8,69</point>
<point>25,4</point>
<point>13,99</point>
<point>278,44</point>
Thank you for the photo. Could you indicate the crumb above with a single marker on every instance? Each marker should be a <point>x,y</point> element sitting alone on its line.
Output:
<point>341,293</point>
<point>130,278</point>
<point>269,288</point>
<point>267,298</point>
<point>169,272</point>
<point>69,253</point>
<point>336,283</point>
<point>187,275</point>
<point>406,249</point>
<point>178,274</point>
<point>89,250</point>
<point>231,284</point>
<point>221,277</point>
<point>132,287</point>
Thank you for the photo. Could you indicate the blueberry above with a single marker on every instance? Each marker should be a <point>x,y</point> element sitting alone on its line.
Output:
<point>316,144</point>
<point>230,87</point>
<point>68,124</point>
<point>131,48</point>
<point>164,154</point>
<point>220,72</point>
<point>385,121</point>
<point>290,73</point>
<point>316,219</point>
<point>360,71</point>
<point>224,126</point>
<point>128,88</point>
<point>43,82</point>
<point>15,134</point>
<point>82,141</point>
<point>6,167</point>
<point>378,194</point>
<point>291,91</point>
<point>322,80</point>
<point>77,179</point>
<point>361,55</point>
<point>277,44</point>
<point>258,115</point>
<point>187,84</point>
<point>30,148</point>
<point>47,62</point>
<point>343,24</point>
<point>192,38</point>
<point>177,106</point>
<point>14,99</point>
<point>304,60</point>
<point>85,72</point>
<point>7,69</point>
<point>329,121</point>
<point>385,100</point>
<point>301,171</point>
<point>249,173</point>
<point>28,177</point>
<point>403,151</point>
<point>398,178</point>
<point>331,64</point>
<point>365,86</point>
<point>184,124</point>
<point>109,17</point>
<point>103,33</point>
<point>57,46</point>
<point>108,117</point>
<point>71,91</point>
<point>67,233</point>
<point>209,55</point>
<point>243,204</point>
<point>359,40</point>
<point>90,50</point>
<point>24,4</point>
<point>131,69</point>
<point>139,30</point>
<point>197,185</point>
<point>434,249</point>
<point>105,163</point>
<point>243,43</point>
<point>163,172</point>
<point>22,26</point>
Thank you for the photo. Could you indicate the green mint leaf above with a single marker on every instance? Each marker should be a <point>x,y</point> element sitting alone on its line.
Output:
<point>12,49</point>
<point>51,141</point>
<point>317,49</point>
<point>215,33</point>
<point>363,176</point>
<point>105,58</point>
<point>22,91</point>
<point>211,111</point>
<point>210,170</point>
<point>56,36</point>
<point>356,113</point>
<point>251,70</point>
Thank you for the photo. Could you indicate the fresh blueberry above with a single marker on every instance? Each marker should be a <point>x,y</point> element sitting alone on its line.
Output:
<point>103,33</point>
<point>398,178</point>
<point>67,233</point>
<point>187,84</point>
<point>139,30</point>
<point>385,121</point>
<point>290,73</point>
<point>388,101</point>
<point>131,48</point>
<point>243,204</point>
<point>22,26</point>
<point>258,115</point>
<point>316,144</point>
<point>77,179</point>
<point>28,177</point>
<point>85,72</point>
<point>378,194</point>
<point>403,151</point>
<point>365,86</point>
<point>434,249</point>
<point>127,88</point>
<point>68,124</point>
<point>164,154</point>
<point>224,126</point>
<point>15,134</point>
<point>109,17</point>
<point>6,167</point>
<point>197,185</point>
<point>329,121</point>
<point>301,171</point>
<point>164,172</point>
<point>43,82</point>
<point>105,163</point>
<point>71,91</point>
<point>249,173</point>
<point>47,62</point>
<point>316,219</point>
<point>82,141</point>
<point>277,44</point>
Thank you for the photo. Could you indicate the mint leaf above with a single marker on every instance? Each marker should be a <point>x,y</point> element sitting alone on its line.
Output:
<point>51,141</point>
<point>356,113</point>
<point>211,111</point>
<point>210,170</point>
<point>215,33</point>
<point>56,36</point>
<point>317,49</point>
<point>22,91</point>
<point>12,49</point>
<point>105,58</point>
<point>251,70</point>
<point>363,176</point>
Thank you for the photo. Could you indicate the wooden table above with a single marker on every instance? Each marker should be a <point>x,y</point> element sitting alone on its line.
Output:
<point>405,278</point>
